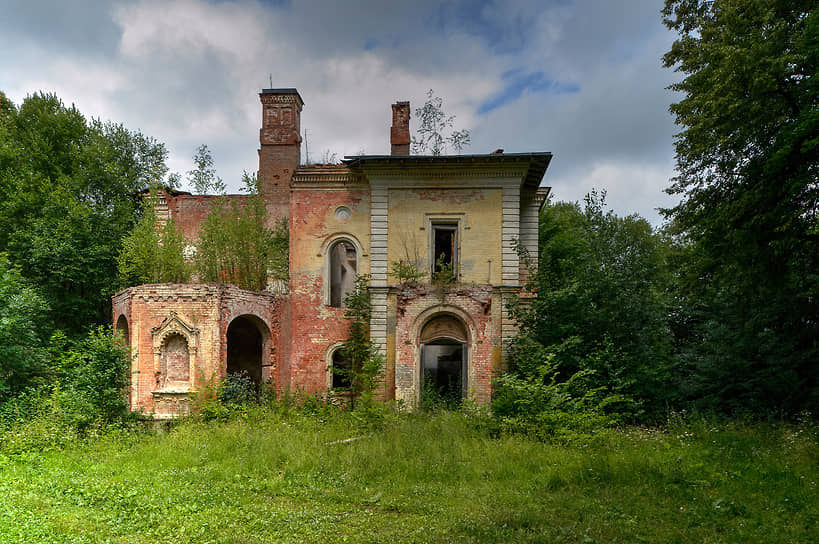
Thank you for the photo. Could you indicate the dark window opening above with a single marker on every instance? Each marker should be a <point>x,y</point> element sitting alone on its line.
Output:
<point>444,247</point>
<point>342,272</point>
<point>341,369</point>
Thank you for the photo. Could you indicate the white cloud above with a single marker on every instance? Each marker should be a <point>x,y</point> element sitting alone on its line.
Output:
<point>188,72</point>
<point>630,187</point>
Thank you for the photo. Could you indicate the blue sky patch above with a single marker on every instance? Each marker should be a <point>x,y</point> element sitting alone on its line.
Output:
<point>475,17</point>
<point>519,82</point>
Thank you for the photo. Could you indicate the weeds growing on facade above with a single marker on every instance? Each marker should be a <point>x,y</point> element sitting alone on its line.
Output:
<point>406,272</point>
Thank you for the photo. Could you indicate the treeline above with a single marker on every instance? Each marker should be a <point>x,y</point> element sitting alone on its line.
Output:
<point>719,310</point>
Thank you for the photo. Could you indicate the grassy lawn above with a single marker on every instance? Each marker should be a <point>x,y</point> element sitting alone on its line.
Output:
<point>442,478</point>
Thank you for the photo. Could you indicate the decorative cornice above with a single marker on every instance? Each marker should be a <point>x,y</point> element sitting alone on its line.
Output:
<point>321,178</point>
<point>452,173</point>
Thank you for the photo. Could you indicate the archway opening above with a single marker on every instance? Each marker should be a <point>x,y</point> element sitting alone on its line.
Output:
<point>244,348</point>
<point>122,331</point>
<point>443,344</point>
<point>341,371</point>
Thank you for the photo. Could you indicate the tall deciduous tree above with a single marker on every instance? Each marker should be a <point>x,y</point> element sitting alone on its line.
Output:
<point>203,179</point>
<point>748,163</point>
<point>67,198</point>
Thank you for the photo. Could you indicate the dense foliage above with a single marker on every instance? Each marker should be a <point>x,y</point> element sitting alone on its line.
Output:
<point>67,198</point>
<point>23,333</point>
<point>94,375</point>
<point>236,245</point>
<point>596,334</point>
<point>152,253</point>
<point>748,163</point>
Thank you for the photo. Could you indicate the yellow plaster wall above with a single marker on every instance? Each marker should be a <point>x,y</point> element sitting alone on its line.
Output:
<point>314,223</point>
<point>479,234</point>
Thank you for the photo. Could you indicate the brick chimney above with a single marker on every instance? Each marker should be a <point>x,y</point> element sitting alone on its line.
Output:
<point>399,131</point>
<point>280,141</point>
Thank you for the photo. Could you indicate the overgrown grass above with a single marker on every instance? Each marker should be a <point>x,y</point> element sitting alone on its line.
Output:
<point>274,476</point>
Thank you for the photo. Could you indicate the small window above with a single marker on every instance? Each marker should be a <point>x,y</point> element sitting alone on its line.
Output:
<point>342,272</point>
<point>445,247</point>
<point>341,369</point>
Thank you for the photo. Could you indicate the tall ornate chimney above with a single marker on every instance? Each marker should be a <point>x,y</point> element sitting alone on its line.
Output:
<point>399,132</point>
<point>280,140</point>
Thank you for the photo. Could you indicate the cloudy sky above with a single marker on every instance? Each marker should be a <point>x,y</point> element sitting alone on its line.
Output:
<point>580,78</point>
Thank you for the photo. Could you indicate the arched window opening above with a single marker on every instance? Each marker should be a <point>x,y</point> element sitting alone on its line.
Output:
<point>122,331</point>
<point>443,362</point>
<point>244,349</point>
<point>175,362</point>
<point>341,369</point>
<point>342,257</point>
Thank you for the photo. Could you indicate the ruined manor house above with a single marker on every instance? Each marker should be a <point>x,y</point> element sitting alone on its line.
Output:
<point>467,212</point>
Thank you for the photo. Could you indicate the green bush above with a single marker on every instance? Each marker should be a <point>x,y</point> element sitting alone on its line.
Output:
<point>536,401</point>
<point>94,376</point>
<point>237,390</point>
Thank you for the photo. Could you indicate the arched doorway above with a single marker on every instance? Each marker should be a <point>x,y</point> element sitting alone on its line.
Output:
<point>244,347</point>
<point>444,357</point>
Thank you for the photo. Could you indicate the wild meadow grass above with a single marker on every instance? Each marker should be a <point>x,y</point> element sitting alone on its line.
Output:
<point>276,477</point>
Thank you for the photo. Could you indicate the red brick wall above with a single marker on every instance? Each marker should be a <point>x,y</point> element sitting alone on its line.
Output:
<point>190,211</point>
<point>314,326</point>
<point>472,305</point>
<point>207,307</point>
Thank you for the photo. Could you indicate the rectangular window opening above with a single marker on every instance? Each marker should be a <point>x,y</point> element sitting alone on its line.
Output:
<point>445,247</point>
